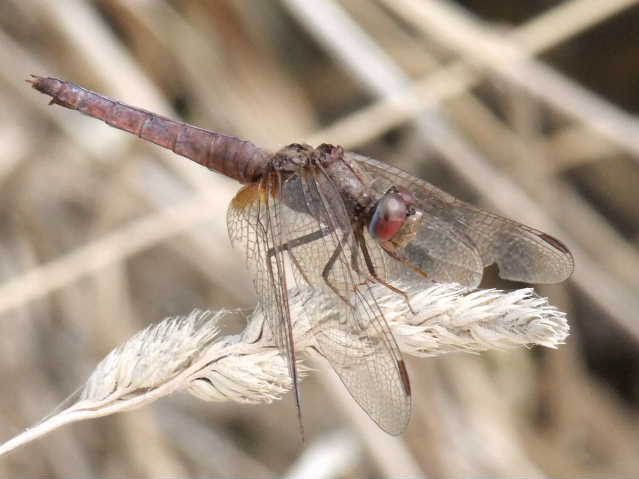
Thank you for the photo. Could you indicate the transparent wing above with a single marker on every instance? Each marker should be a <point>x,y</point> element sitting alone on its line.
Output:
<point>253,221</point>
<point>349,328</point>
<point>521,253</point>
<point>444,253</point>
<point>307,225</point>
<point>362,352</point>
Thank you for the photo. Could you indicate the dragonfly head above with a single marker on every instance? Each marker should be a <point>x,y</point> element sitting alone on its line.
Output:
<point>394,217</point>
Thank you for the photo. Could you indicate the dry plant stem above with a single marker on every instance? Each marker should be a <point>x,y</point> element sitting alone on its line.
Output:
<point>355,129</point>
<point>110,248</point>
<point>187,354</point>
<point>207,74</point>
<point>390,454</point>
<point>488,420</point>
<point>88,33</point>
<point>459,77</point>
<point>567,20</point>
<point>328,456</point>
<point>511,58</point>
<point>344,39</point>
<point>214,451</point>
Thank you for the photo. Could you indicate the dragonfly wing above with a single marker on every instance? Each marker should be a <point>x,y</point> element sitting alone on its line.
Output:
<point>361,350</point>
<point>444,253</point>
<point>310,219</point>
<point>521,253</point>
<point>254,224</point>
<point>349,328</point>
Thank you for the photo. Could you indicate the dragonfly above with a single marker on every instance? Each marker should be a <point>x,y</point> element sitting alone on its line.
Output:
<point>340,222</point>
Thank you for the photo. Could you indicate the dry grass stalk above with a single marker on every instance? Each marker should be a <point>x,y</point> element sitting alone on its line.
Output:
<point>187,353</point>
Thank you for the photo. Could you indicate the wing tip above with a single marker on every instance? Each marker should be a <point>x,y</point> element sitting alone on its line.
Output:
<point>569,266</point>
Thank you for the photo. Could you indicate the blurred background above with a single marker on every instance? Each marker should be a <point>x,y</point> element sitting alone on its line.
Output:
<point>525,108</point>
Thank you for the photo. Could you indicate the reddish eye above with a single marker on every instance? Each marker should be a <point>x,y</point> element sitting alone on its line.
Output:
<point>389,217</point>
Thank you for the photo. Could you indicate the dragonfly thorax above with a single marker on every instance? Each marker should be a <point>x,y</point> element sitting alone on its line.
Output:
<point>292,158</point>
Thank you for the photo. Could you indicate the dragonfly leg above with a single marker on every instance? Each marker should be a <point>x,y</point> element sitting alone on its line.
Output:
<point>355,261</point>
<point>329,266</point>
<point>371,268</point>
<point>302,240</point>
<point>393,254</point>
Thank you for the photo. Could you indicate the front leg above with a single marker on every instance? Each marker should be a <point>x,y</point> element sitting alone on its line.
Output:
<point>371,268</point>
<point>392,252</point>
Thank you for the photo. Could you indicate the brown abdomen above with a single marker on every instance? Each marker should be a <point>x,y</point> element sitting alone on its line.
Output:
<point>233,157</point>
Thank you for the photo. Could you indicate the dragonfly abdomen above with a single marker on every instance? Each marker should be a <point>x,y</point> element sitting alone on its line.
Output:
<point>233,157</point>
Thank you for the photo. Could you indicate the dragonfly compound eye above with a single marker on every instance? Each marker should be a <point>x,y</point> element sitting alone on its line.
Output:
<point>389,216</point>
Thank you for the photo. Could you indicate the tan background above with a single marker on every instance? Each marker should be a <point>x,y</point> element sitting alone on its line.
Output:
<point>87,259</point>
